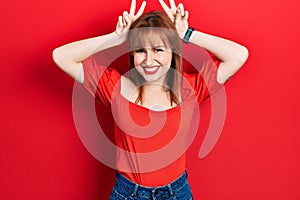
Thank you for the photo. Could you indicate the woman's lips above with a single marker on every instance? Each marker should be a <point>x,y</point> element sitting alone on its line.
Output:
<point>151,70</point>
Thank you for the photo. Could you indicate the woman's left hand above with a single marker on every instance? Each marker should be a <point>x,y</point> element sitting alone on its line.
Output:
<point>178,16</point>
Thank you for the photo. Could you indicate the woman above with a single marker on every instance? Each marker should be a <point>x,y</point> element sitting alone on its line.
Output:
<point>155,85</point>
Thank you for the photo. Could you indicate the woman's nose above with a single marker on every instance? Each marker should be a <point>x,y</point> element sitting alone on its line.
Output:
<point>149,58</point>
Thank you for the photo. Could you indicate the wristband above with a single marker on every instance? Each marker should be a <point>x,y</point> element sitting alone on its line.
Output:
<point>188,34</point>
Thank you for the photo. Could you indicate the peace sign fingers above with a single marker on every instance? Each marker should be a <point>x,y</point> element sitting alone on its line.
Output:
<point>133,8</point>
<point>127,19</point>
<point>171,11</point>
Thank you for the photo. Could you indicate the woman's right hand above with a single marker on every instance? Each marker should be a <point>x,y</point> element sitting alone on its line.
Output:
<point>127,19</point>
<point>69,57</point>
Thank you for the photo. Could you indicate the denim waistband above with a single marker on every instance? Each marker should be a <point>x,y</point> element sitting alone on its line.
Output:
<point>136,190</point>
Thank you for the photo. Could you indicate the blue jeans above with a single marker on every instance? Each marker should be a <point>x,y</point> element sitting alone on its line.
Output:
<point>125,189</point>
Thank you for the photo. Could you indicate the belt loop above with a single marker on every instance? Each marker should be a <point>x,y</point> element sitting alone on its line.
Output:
<point>170,190</point>
<point>134,194</point>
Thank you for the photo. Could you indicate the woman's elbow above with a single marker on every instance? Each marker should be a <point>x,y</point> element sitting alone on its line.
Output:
<point>243,56</point>
<point>56,56</point>
<point>61,59</point>
<point>241,59</point>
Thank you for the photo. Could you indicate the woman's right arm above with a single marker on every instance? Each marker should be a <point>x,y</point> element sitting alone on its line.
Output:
<point>69,57</point>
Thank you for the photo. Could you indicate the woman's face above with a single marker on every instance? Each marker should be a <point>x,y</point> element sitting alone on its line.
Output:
<point>153,60</point>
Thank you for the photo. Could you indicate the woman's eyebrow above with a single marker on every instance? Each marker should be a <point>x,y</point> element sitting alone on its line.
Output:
<point>159,46</point>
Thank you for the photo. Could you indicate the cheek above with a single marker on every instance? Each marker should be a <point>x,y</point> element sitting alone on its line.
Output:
<point>166,59</point>
<point>137,60</point>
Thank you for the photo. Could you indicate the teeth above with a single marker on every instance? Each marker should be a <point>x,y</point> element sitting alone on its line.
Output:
<point>150,69</point>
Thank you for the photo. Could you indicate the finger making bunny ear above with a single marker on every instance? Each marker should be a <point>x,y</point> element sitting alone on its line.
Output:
<point>174,11</point>
<point>127,19</point>
<point>180,10</point>
<point>133,7</point>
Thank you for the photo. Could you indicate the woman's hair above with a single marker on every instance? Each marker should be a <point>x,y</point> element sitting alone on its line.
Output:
<point>141,29</point>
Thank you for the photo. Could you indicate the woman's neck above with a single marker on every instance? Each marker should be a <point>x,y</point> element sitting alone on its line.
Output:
<point>154,88</point>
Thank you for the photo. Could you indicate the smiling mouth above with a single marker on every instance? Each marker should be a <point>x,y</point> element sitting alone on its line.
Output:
<point>151,70</point>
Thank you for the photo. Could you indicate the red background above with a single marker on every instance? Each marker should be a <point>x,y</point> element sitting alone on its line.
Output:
<point>257,156</point>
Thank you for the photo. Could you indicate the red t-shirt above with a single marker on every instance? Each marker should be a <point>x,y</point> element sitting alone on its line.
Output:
<point>151,145</point>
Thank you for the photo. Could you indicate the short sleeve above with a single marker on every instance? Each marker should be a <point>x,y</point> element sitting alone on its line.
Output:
<point>99,81</point>
<point>205,82</point>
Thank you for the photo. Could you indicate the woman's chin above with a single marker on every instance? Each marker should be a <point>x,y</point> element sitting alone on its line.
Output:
<point>153,79</point>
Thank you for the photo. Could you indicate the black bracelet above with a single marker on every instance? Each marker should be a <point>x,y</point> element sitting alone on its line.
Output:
<point>188,34</point>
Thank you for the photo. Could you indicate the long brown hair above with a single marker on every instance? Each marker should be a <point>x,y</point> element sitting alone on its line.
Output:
<point>158,22</point>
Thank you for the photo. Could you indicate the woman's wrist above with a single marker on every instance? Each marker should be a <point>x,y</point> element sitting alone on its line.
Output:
<point>188,34</point>
<point>182,33</point>
<point>121,37</point>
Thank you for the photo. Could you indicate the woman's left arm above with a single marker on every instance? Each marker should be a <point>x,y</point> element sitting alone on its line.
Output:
<point>231,54</point>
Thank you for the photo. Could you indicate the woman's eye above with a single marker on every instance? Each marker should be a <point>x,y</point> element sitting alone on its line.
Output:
<point>140,51</point>
<point>159,50</point>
